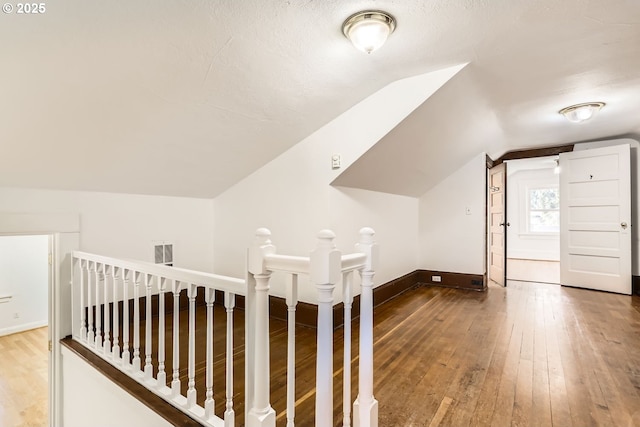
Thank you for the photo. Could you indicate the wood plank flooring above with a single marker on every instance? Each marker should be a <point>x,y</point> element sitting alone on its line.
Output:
<point>24,379</point>
<point>528,355</point>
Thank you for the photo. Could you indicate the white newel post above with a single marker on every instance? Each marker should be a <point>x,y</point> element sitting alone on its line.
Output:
<point>365,408</point>
<point>325,269</point>
<point>260,414</point>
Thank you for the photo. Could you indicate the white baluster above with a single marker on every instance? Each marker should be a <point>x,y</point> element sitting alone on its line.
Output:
<point>99,281</point>
<point>162,375</point>
<point>148,326</point>
<point>136,321</point>
<point>106,343</point>
<point>260,414</point>
<point>209,403</point>
<point>292,302</point>
<point>83,307</point>
<point>229,414</point>
<point>91,279</point>
<point>192,292</point>
<point>175,382</point>
<point>366,406</point>
<point>126,355</point>
<point>115,354</point>
<point>347,298</point>
<point>325,272</point>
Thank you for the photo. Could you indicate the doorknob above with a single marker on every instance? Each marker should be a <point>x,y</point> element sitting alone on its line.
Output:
<point>508,224</point>
<point>623,225</point>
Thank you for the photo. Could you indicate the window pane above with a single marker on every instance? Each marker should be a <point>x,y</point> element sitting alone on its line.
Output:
<point>544,221</point>
<point>544,198</point>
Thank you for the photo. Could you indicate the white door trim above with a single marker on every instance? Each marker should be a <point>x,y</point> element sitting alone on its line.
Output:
<point>63,228</point>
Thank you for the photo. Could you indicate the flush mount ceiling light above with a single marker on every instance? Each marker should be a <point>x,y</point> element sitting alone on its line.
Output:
<point>369,30</point>
<point>581,112</point>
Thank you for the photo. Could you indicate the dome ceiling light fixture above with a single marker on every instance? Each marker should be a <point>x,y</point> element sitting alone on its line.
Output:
<point>368,30</point>
<point>581,112</point>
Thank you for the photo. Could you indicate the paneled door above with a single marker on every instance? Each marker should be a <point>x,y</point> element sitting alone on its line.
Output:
<point>595,219</point>
<point>497,253</point>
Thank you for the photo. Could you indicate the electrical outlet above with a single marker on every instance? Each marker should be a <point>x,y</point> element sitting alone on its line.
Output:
<point>16,315</point>
<point>436,278</point>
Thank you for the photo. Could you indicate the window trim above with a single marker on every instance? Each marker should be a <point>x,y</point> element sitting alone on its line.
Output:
<point>528,210</point>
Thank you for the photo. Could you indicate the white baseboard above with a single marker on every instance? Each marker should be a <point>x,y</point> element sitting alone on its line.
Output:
<point>23,327</point>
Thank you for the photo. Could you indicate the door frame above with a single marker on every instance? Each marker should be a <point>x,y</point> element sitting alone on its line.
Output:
<point>513,155</point>
<point>64,231</point>
<point>557,150</point>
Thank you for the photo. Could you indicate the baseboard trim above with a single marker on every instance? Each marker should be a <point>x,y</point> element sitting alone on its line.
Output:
<point>476,282</point>
<point>307,313</point>
<point>22,328</point>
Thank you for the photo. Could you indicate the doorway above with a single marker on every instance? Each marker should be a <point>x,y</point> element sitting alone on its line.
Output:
<point>599,184</point>
<point>25,289</point>
<point>533,219</point>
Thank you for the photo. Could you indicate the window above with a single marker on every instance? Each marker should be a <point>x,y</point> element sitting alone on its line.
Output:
<point>544,210</point>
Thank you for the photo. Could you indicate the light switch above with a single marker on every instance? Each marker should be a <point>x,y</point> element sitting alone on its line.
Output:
<point>335,161</point>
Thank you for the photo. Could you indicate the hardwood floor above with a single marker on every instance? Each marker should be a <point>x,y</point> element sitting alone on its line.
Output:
<point>530,354</point>
<point>527,355</point>
<point>24,379</point>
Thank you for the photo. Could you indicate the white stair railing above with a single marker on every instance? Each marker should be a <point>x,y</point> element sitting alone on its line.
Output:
<point>325,266</point>
<point>101,284</point>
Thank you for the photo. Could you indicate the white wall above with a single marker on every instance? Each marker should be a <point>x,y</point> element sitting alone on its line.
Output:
<point>24,277</point>
<point>126,226</point>
<point>90,399</point>
<point>292,195</point>
<point>520,243</point>
<point>451,240</point>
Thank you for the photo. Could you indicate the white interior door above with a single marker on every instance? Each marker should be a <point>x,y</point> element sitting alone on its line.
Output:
<point>496,191</point>
<point>595,219</point>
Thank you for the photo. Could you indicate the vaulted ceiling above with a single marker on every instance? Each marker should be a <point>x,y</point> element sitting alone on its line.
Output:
<point>186,98</point>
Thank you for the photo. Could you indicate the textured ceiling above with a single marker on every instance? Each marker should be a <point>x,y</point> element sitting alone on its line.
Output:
<point>187,97</point>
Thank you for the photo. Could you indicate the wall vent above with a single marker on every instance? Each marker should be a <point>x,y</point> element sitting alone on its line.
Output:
<point>163,254</point>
